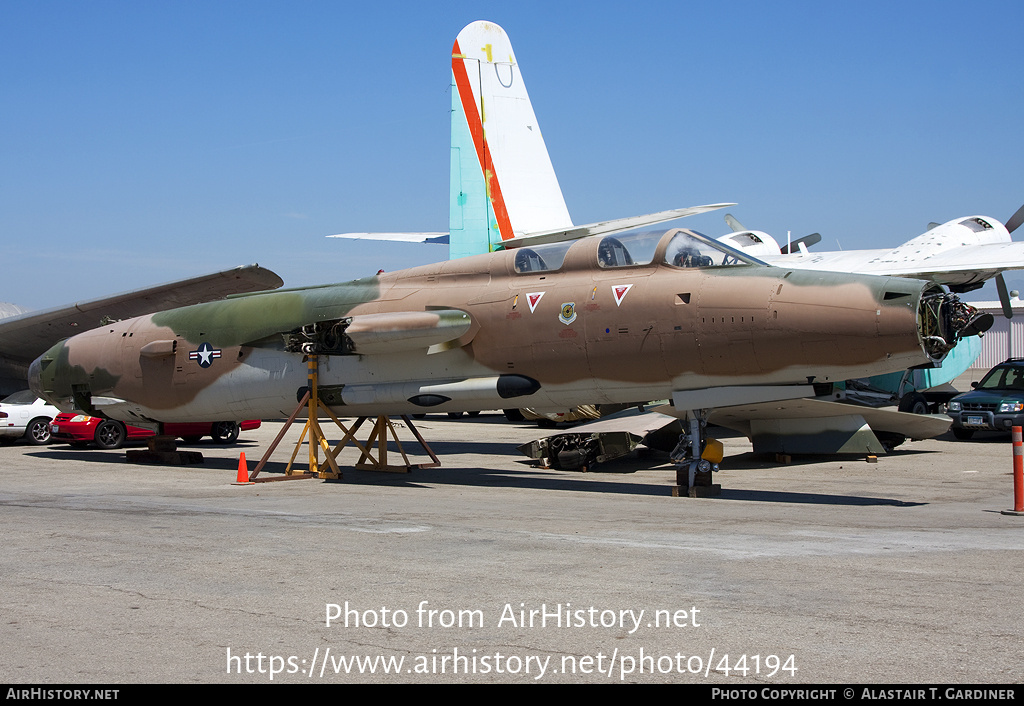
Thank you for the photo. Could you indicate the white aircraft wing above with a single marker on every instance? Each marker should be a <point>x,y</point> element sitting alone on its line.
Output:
<point>964,264</point>
<point>25,337</point>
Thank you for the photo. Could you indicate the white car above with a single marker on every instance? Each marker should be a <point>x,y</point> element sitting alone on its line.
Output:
<point>25,415</point>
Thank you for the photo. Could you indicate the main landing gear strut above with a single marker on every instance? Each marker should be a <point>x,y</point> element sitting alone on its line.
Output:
<point>695,458</point>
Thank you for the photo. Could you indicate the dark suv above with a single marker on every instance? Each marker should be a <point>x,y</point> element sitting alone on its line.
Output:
<point>996,404</point>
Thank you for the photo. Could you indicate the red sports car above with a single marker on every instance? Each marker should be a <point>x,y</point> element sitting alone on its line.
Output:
<point>81,429</point>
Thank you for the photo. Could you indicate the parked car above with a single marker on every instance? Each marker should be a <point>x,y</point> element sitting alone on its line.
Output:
<point>80,429</point>
<point>995,404</point>
<point>25,415</point>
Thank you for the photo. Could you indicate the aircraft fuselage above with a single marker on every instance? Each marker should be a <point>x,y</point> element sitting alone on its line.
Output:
<point>494,331</point>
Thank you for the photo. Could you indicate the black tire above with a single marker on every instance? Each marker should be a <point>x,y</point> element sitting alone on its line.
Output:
<point>915,403</point>
<point>37,432</point>
<point>473,414</point>
<point>513,415</point>
<point>225,432</point>
<point>890,440</point>
<point>454,415</point>
<point>963,434</point>
<point>110,434</point>
<point>191,439</point>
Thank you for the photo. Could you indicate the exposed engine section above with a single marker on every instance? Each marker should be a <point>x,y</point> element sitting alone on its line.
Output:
<point>943,320</point>
<point>321,338</point>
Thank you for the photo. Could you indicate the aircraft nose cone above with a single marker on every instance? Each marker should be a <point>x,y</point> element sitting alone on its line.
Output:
<point>42,372</point>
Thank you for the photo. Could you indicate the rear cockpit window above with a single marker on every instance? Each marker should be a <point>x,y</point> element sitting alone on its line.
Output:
<point>541,258</point>
<point>628,249</point>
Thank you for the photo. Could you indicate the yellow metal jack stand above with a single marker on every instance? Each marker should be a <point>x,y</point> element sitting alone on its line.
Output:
<point>318,440</point>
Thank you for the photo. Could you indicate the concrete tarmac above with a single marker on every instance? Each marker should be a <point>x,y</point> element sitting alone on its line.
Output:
<point>828,570</point>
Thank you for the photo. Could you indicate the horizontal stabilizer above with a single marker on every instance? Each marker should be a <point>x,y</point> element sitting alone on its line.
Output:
<point>441,238</point>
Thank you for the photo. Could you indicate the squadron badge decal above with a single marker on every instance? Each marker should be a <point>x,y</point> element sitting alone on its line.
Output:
<point>568,313</point>
<point>534,299</point>
<point>619,292</point>
<point>204,354</point>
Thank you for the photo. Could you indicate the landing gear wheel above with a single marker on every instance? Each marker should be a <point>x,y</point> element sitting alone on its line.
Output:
<point>915,403</point>
<point>454,415</point>
<point>37,432</point>
<point>110,434</point>
<point>191,439</point>
<point>225,432</point>
<point>963,434</point>
<point>513,415</point>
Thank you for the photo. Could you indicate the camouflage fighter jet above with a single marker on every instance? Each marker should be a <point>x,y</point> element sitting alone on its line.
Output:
<point>609,319</point>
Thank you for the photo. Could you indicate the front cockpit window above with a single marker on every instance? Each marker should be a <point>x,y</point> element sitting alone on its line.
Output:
<point>976,224</point>
<point>691,249</point>
<point>628,249</point>
<point>541,258</point>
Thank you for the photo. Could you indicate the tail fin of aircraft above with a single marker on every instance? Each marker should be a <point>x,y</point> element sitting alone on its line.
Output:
<point>502,181</point>
<point>504,192</point>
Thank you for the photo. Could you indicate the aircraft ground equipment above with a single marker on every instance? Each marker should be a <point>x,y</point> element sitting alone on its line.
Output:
<point>1018,473</point>
<point>317,440</point>
<point>243,471</point>
<point>163,450</point>
<point>695,458</point>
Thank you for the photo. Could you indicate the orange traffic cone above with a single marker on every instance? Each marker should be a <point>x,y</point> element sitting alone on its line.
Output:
<point>243,471</point>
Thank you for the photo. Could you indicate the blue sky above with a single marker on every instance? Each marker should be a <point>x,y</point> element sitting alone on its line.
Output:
<point>147,141</point>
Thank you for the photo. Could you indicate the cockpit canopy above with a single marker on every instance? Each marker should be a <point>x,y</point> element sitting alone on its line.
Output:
<point>685,248</point>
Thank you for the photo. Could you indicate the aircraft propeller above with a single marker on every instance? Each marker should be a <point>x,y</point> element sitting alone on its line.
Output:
<point>1004,296</point>
<point>1015,220</point>
<point>807,240</point>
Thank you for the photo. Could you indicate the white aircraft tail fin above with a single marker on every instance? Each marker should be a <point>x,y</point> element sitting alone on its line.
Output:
<point>502,181</point>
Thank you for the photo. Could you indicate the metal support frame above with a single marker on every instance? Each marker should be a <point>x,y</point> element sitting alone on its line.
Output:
<point>318,441</point>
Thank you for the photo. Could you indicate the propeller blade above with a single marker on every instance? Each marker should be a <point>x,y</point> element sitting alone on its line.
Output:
<point>736,226</point>
<point>1015,220</point>
<point>1004,296</point>
<point>806,241</point>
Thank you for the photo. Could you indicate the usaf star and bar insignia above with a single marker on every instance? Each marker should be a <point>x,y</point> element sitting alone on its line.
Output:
<point>205,354</point>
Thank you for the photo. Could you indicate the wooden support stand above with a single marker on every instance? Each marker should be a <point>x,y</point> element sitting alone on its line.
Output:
<point>317,441</point>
